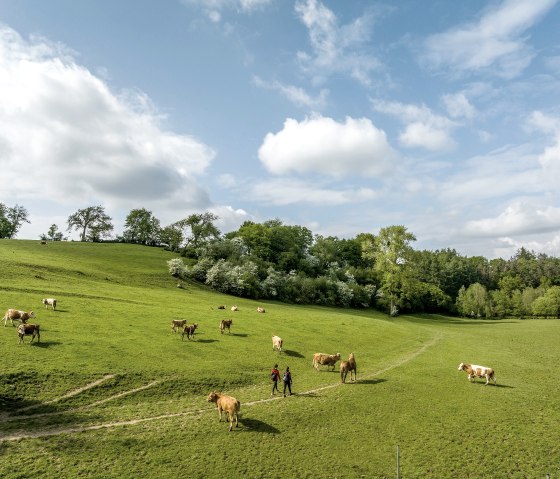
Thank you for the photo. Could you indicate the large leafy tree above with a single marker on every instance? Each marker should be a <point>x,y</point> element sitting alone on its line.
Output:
<point>198,228</point>
<point>392,256</point>
<point>11,220</point>
<point>142,227</point>
<point>92,222</point>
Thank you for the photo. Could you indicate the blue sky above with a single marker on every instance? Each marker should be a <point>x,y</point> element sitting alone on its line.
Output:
<point>341,116</point>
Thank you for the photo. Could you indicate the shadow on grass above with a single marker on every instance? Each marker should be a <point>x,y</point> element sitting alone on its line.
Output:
<point>292,354</point>
<point>241,335</point>
<point>205,340</point>
<point>45,344</point>
<point>367,381</point>
<point>258,426</point>
<point>480,383</point>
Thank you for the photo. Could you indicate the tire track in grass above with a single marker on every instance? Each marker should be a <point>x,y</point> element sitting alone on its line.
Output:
<point>132,422</point>
<point>76,409</point>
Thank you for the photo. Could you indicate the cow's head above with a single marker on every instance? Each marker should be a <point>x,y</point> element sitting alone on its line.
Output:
<point>461,367</point>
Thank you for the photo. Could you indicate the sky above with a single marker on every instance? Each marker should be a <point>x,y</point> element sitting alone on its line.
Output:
<point>341,116</point>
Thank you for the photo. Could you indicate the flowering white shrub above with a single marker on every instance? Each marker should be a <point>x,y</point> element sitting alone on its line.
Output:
<point>176,267</point>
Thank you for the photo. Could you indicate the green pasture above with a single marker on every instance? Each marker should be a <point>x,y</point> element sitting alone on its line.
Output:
<point>111,392</point>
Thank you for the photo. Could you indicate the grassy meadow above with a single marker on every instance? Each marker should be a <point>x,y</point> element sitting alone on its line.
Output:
<point>111,392</point>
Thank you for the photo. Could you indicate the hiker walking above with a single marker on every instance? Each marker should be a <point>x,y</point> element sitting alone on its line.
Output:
<point>275,376</point>
<point>287,378</point>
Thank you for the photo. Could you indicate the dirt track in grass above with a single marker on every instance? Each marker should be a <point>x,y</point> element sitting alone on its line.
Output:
<point>131,422</point>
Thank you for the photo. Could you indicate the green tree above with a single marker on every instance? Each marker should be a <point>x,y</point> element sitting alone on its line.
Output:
<point>92,222</point>
<point>198,228</point>
<point>11,220</point>
<point>53,234</point>
<point>172,236</point>
<point>142,227</point>
<point>472,301</point>
<point>549,304</point>
<point>392,256</point>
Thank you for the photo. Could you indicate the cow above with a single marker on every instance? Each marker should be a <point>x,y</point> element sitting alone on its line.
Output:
<point>260,310</point>
<point>49,302</point>
<point>189,331</point>
<point>227,404</point>
<point>178,324</point>
<point>222,306</point>
<point>234,308</point>
<point>325,360</point>
<point>475,371</point>
<point>28,330</point>
<point>225,324</point>
<point>17,315</point>
<point>346,366</point>
<point>277,343</point>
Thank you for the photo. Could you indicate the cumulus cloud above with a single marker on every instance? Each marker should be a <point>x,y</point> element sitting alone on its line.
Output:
<point>296,95</point>
<point>323,145</point>
<point>292,191</point>
<point>518,218</point>
<point>424,129</point>
<point>497,42</point>
<point>335,48</point>
<point>66,136</point>
<point>458,106</point>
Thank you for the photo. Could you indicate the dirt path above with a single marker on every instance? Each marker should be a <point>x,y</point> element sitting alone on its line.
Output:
<point>71,430</point>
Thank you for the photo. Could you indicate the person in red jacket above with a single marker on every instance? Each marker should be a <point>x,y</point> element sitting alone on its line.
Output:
<point>275,376</point>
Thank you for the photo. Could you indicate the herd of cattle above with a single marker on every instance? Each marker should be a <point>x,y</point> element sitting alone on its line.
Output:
<point>25,329</point>
<point>227,404</point>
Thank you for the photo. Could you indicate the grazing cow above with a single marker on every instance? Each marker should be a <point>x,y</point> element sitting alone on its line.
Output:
<point>28,330</point>
<point>17,315</point>
<point>222,306</point>
<point>225,324</point>
<point>234,308</point>
<point>475,371</point>
<point>189,331</point>
<point>260,310</point>
<point>49,302</point>
<point>346,366</point>
<point>227,404</point>
<point>325,360</point>
<point>178,324</point>
<point>277,343</point>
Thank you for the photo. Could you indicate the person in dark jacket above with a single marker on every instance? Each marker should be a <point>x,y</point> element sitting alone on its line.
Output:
<point>275,376</point>
<point>287,378</point>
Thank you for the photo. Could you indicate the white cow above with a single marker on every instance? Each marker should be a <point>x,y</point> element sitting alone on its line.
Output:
<point>277,343</point>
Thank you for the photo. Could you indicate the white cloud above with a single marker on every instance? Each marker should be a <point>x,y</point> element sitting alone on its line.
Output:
<point>293,191</point>
<point>296,95</point>
<point>423,128</point>
<point>335,48</point>
<point>458,106</point>
<point>322,145</point>
<point>213,8</point>
<point>520,217</point>
<point>496,43</point>
<point>64,135</point>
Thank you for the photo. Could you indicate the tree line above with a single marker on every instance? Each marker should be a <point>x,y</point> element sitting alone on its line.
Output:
<point>271,260</point>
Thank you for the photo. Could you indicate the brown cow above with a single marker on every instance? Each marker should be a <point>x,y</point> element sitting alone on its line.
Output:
<point>325,360</point>
<point>475,371</point>
<point>28,330</point>
<point>227,404</point>
<point>225,324</point>
<point>177,324</point>
<point>346,366</point>
<point>189,331</point>
<point>17,315</point>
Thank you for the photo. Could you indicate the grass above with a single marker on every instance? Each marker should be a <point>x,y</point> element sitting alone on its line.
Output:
<point>148,417</point>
